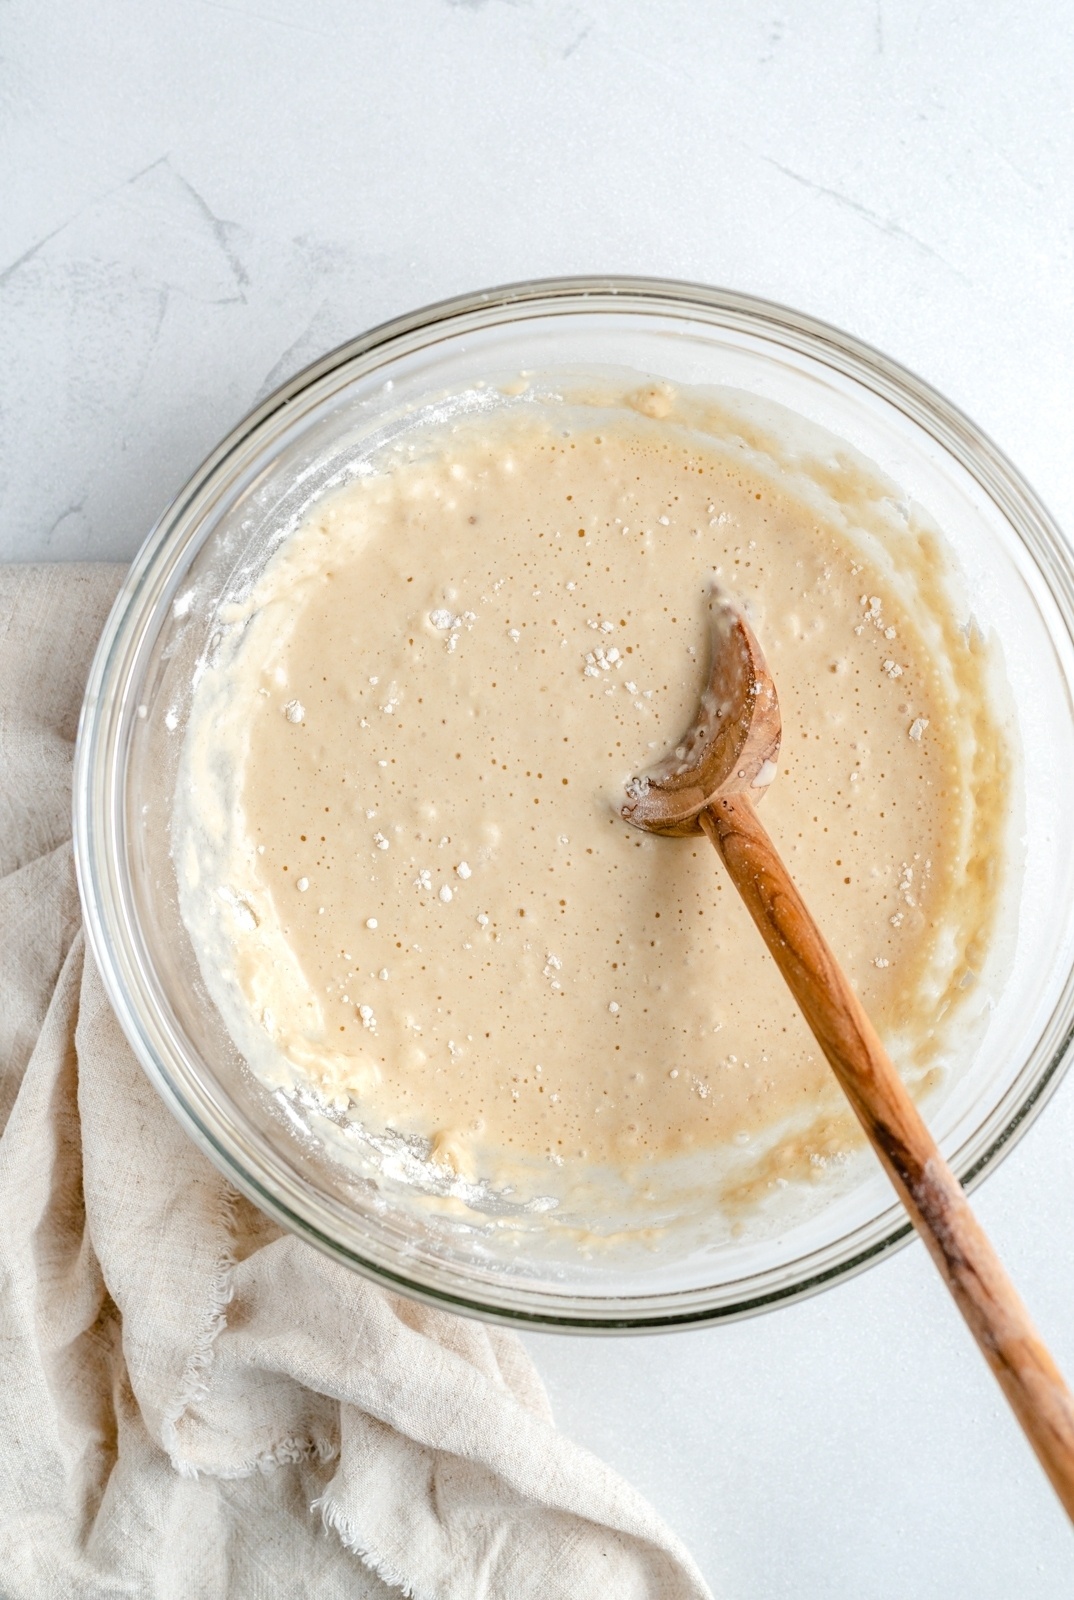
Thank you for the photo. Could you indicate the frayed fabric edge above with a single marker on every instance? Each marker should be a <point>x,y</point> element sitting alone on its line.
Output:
<point>288,1453</point>
<point>336,1521</point>
<point>194,1383</point>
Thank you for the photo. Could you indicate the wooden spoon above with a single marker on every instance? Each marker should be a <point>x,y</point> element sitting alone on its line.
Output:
<point>710,783</point>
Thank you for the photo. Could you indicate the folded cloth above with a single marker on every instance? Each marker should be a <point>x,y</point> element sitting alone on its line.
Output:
<point>193,1404</point>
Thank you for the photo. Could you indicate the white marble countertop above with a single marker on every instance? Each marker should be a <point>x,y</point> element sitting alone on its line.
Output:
<point>198,197</point>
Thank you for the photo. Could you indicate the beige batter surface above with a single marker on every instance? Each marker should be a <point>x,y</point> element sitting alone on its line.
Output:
<point>399,840</point>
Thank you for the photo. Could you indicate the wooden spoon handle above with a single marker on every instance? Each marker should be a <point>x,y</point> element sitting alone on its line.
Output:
<point>929,1189</point>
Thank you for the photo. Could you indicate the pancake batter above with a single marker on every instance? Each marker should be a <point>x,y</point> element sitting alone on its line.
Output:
<point>401,857</point>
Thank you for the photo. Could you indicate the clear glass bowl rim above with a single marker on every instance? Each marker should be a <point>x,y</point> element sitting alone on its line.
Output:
<point>98,793</point>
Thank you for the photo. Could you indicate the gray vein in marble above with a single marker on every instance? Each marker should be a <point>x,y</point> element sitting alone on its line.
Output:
<point>69,511</point>
<point>292,359</point>
<point>885,224</point>
<point>259,16</point>
<point>220,231</point>
<point>578,39</point>
<point>29,254</point>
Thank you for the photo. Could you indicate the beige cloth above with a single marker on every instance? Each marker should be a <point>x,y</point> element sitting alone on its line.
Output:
<point>192,1404</point>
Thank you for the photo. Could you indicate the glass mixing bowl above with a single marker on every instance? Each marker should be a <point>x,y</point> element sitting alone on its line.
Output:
<point>1019,583</point>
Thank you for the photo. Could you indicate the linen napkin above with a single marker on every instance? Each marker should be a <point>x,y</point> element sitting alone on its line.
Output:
<point>193,1404</point>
